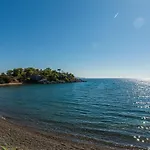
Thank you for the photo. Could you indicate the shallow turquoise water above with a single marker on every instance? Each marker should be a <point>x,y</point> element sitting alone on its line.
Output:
<point>115,111</point>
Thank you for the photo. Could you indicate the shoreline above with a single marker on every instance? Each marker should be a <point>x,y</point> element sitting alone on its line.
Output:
<point>25,138</point>
<point>11,84</point>
<point>21,83</point>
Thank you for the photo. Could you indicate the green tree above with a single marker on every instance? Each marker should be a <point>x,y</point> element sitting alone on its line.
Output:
<point>46,72</point>
<point>33,75</point>
<point>9,72</point>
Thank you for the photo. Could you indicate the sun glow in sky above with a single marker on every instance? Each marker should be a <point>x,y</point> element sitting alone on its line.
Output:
<point>92,38</point>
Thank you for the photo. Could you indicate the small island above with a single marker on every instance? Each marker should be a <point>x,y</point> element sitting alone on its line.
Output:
<point>36,76</point>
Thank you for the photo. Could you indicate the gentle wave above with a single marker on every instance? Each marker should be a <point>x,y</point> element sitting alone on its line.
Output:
<point>110,111</point>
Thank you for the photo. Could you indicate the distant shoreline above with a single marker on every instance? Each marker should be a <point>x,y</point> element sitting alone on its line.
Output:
<point>21,83</point>
<point>11,84</point>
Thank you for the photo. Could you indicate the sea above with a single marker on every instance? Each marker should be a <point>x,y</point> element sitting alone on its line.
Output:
<point>115,112</point>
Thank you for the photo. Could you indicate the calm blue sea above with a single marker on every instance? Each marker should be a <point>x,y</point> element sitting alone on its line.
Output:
<point>111,111</point>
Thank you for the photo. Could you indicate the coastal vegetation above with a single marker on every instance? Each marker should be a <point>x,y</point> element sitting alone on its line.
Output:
<point>34,75</point>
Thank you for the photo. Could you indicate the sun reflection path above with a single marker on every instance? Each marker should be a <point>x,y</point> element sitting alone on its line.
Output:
<point>145,123</point>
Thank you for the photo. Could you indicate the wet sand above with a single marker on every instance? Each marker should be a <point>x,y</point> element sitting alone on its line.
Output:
<point>24,138</point>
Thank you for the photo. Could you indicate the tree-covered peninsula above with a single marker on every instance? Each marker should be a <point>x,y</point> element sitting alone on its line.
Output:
<point>39,76</point>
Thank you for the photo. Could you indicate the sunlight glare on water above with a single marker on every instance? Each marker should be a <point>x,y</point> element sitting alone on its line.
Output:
<point>143,104</point>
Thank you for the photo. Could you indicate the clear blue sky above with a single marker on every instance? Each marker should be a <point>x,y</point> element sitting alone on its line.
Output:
<point>91,38</point>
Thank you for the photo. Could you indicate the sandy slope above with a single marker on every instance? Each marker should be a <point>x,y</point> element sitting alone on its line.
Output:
<point>12,135</point>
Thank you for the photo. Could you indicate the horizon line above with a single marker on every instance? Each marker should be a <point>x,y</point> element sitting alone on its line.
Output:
<point>116,78</point>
